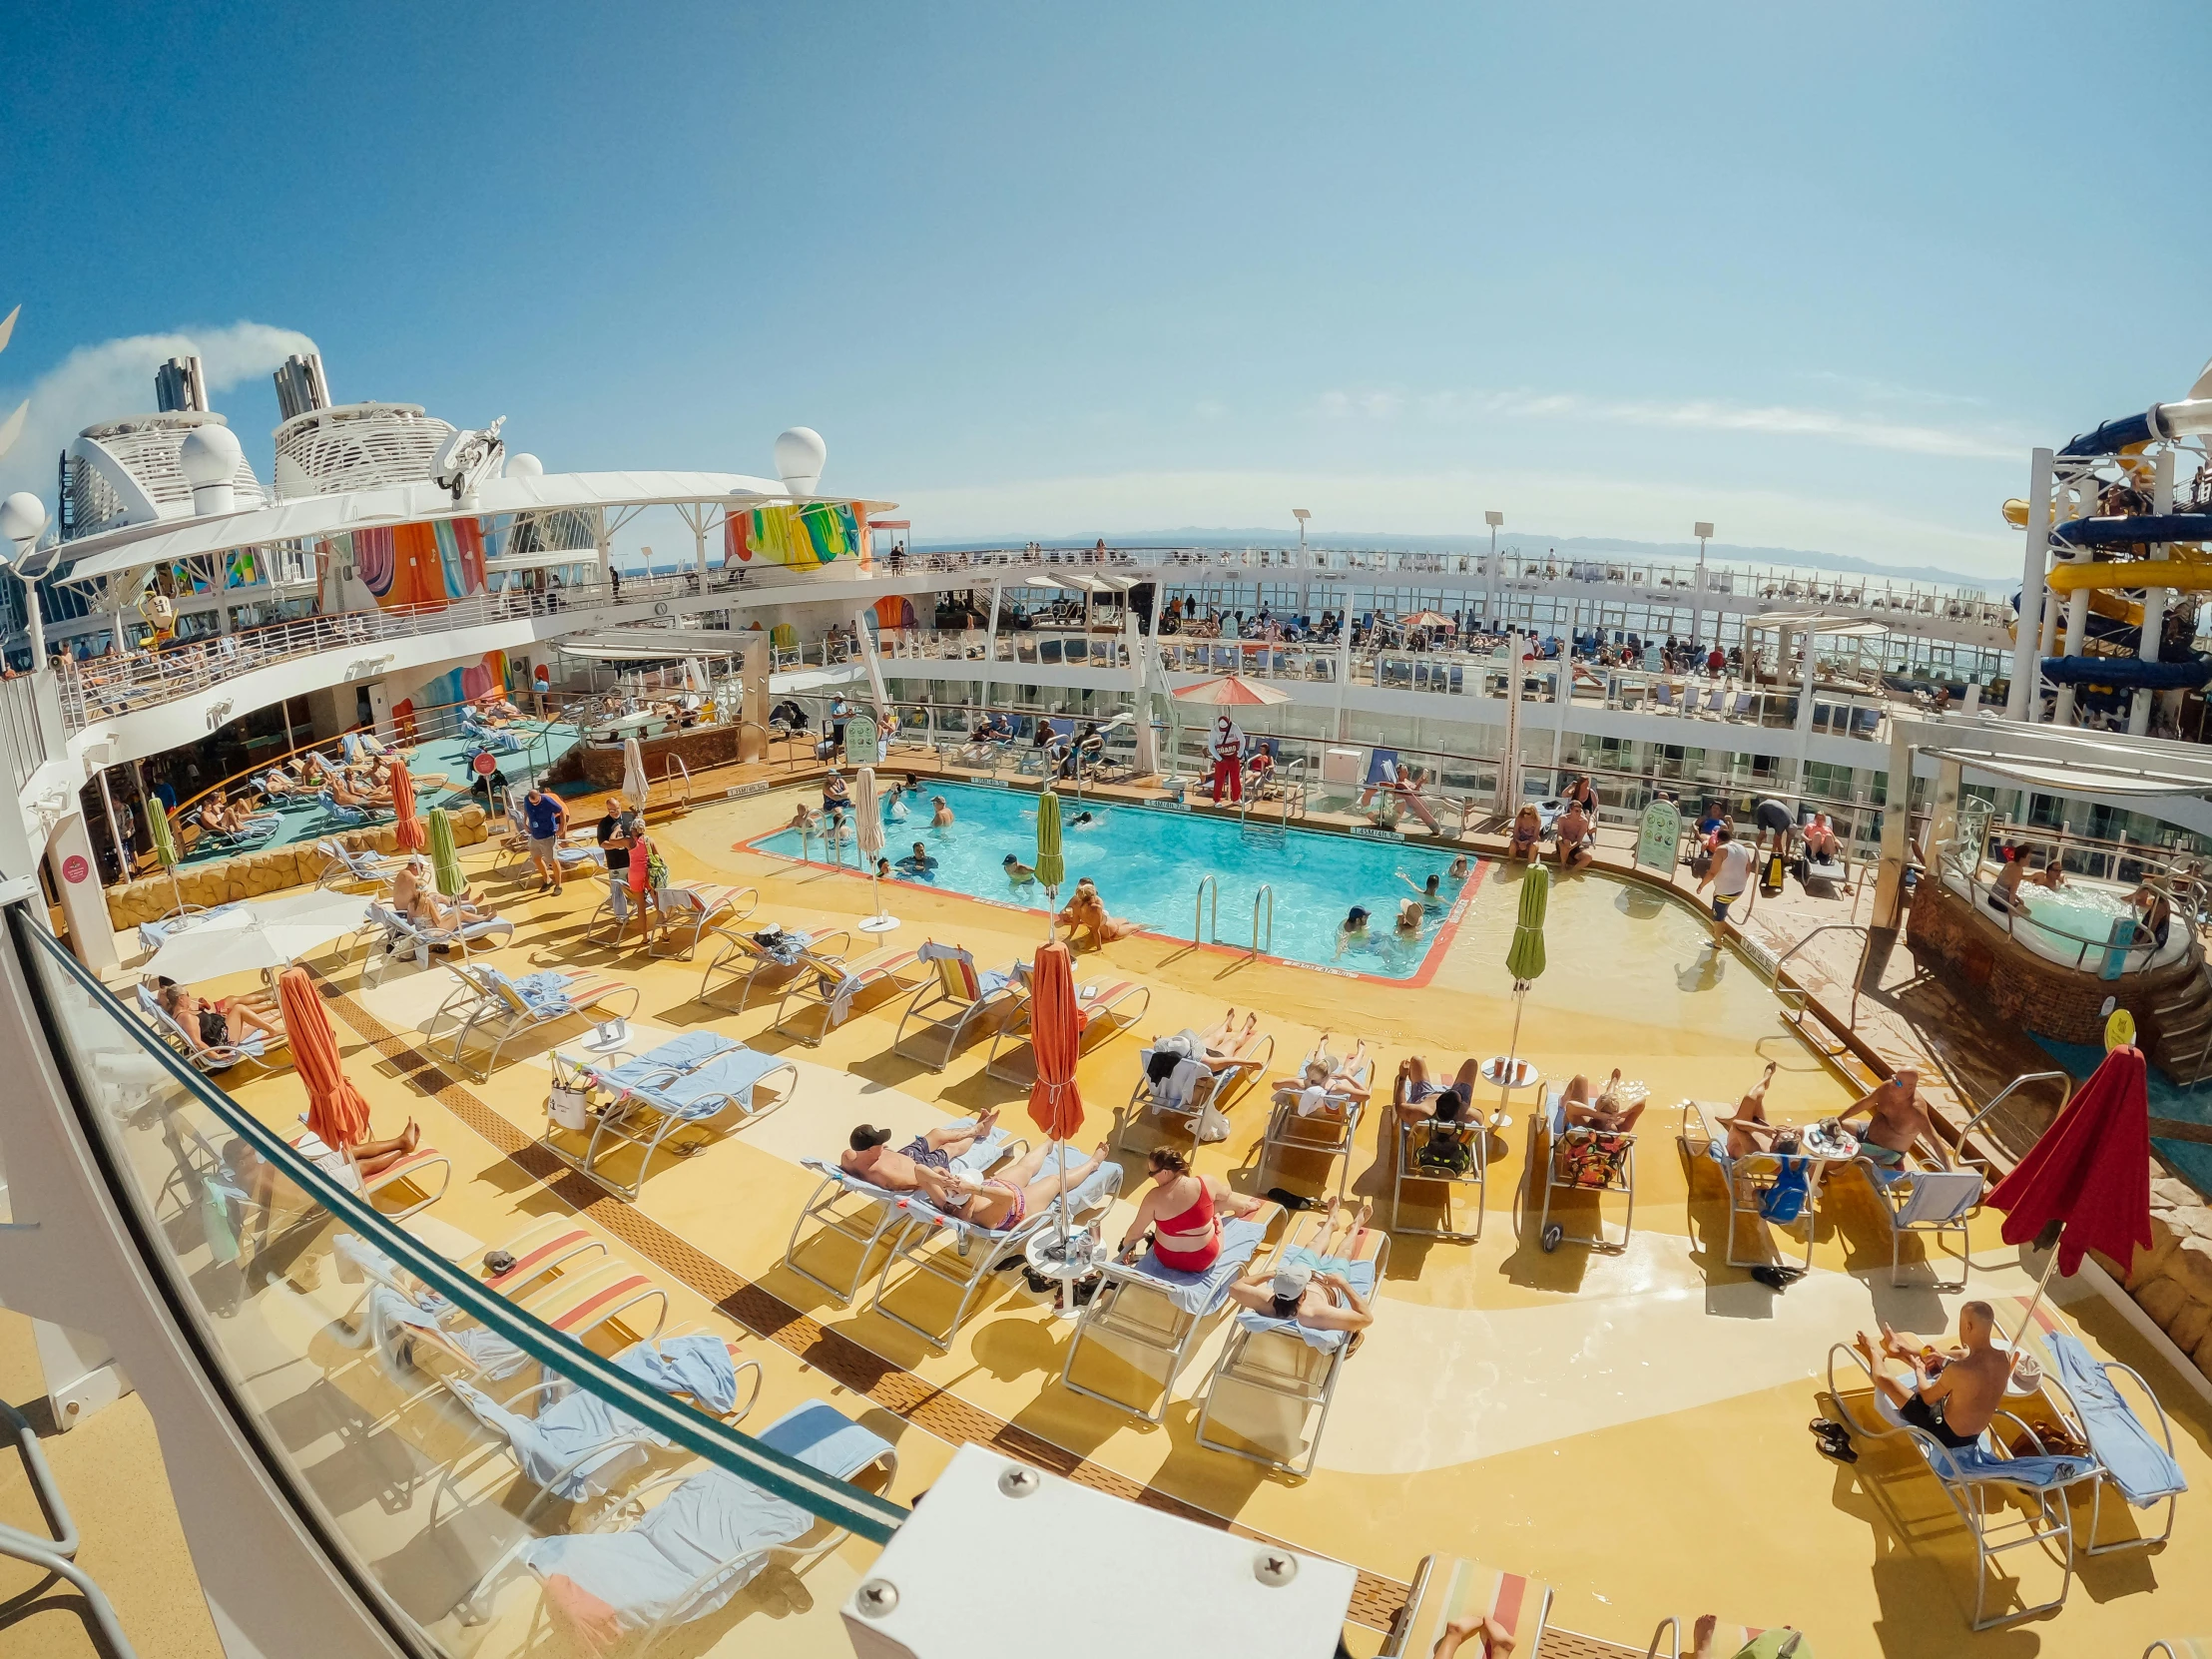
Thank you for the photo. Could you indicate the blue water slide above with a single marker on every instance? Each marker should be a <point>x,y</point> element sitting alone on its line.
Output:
<point>2127,532</point>
<point>2183,674</point>
<point>2161,420</point>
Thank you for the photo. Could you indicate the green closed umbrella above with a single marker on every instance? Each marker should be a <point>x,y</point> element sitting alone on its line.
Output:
<point>1524,959</point>
<point>164,848</point>
<point>1052,869</point>
<point>445,860</point>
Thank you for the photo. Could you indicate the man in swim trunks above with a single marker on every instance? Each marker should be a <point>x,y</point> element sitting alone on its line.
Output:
<point>870,1158</point>
<point>1895,1118</point>
<point>1952,1395</point>
<point>2004,893</point>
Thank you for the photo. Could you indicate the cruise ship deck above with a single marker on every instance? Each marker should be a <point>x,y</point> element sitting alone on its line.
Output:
<point>1627,1427</point>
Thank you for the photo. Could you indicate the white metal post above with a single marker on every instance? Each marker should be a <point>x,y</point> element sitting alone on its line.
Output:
<point>2154,599</point>
<point>2020,701</point>
<point>2078,602</point>
<point>1344,661</point>
<point>1489,574</point>
<point>990,644</point>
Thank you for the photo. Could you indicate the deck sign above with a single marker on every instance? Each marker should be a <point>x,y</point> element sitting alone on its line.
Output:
<point>863,744</point>
<point>1661,835</point>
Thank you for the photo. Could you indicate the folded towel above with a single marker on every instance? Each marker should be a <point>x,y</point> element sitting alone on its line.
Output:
<point>2142,1468</point>
<point>1203,1292</point>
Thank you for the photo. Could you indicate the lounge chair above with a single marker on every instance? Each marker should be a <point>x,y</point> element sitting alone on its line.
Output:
<point>1287,1360</point>
<point>744,956</point>
<point>1749,1180</point>
<point>1158,1310</point>
<point>1206,1087</point>
<point>575,855</point>
<point>956,997</point>
<point>343,869</point>
<point>1322,1122</point>
<point>211,1060</point>
<point>691,1552</point>
<point>486,1000</point>
<point>1929,1199</point>
<point>547,1247</point>
<point>1578,1160</point>
<point>688,912</point>
<point>2179,1647</point>
<point>685,1083</point>
<point>1671,1640</point>
<point>866,1215</point>
<point>2004,1500</point>
<point>2080,1393</point>
<point>961,1254</point>
<point>1099,1009</point>
<point>1461,1159</point>
<point>1449,1587</point>
<point>386,934</point>
<point>835,987</point>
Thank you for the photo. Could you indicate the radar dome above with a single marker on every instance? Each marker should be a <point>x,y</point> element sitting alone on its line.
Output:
<point>799,454</point>
<point>523,464</point>
<point>22,517</point>
<point>210,454</point>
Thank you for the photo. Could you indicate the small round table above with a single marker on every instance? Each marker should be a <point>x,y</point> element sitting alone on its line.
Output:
<point>1506,1076</point>
<point>1085,1252</point>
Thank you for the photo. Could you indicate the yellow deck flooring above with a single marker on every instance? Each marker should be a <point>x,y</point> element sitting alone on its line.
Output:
<point>1631,1428</point>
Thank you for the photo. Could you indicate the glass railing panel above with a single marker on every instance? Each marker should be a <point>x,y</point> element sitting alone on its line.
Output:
<point>473,1469</point>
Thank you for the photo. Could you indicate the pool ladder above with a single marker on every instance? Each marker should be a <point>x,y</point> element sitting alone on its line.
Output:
<point>1206,929</point>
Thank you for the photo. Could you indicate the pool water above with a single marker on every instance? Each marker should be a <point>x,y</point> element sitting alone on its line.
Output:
<point>1147,865</point>
<point>2083,910</point>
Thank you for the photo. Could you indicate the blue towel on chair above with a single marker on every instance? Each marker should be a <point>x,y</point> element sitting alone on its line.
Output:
<point>1199,1293</point>
<point>2143,1469</point>
<point>565,1432</point>
<point>2042,1475</point>
<point>1360,1275</point>
<point>697,1366</point>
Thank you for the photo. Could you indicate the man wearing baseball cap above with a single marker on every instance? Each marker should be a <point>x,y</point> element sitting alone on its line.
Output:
<point>870,1157</point>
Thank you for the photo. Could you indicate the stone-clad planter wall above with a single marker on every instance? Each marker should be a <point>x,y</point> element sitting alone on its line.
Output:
<point>251,875</point>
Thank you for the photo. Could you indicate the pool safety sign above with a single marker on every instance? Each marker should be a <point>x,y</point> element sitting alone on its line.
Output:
<point>1660,836</point>
<point>863,745</point>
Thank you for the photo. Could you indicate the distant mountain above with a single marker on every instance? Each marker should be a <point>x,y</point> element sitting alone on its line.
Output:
<point>1572,547</point>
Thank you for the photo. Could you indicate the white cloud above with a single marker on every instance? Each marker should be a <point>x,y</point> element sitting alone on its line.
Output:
<point>1447,503</point>
<point>1696,415</point>
<point>116,378</point>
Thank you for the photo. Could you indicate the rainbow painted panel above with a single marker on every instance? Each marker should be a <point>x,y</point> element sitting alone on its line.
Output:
<point>419,564</point>
<point>800,537</point>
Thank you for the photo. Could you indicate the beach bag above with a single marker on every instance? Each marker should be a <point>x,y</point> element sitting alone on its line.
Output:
<point>569,1109</point>
<point>1783,1202</point>
<point>1445,1149</point>
<point>656,871</point>
<point>1212,1126</point>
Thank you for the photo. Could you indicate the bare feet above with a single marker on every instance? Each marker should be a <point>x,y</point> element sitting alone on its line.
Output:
<point>1701,1640</point>
<point>986,1123</point>
<point>1865,1351</point>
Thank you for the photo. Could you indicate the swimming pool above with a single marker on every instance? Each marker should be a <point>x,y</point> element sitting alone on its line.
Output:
<point>1147,864</point>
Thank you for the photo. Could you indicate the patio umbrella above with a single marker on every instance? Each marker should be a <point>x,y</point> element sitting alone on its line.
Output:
<point>1427,618</point>
<point>336,1110</point>
<point>1524,959</point>
<point>2085,1183</point>
<point>1052,869</point>
<point>1056,1037</point>
<point>272,935</point>
<point>633,774</point>
<point>867,837</point>
<point>164,848</point>
<point>407,829</point>
<point>1233,690</point>
<point>445,858</point>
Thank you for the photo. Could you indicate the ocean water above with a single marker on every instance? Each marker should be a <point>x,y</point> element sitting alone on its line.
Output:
<point>1148,863</point>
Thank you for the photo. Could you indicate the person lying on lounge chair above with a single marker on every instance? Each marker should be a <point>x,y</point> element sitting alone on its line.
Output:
<point>1748,1130</point>
<point>1309,1286</point>
<point>1324,1080</point>
<point>1953,1395</point>
<point>1895,1118</point>
<point>1003,1202</point>
<point>1223,1041</point>
<point>1609,1112</point>
<point>218,1024</point>
<point>1497,1641</point>
<point>346,792</point>
<point>216,820</point>
<point>1415,1092</point>
<point>414,897</point>
<point>870,1158</point>
<point>257,1178</point>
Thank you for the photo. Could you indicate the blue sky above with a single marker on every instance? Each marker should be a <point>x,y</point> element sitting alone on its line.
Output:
<point>1040,270</point>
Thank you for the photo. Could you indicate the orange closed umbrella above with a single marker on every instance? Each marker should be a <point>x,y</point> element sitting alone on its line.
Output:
<point>336,1110</point>
<point>1056,1035</point>
<point>407,829</point>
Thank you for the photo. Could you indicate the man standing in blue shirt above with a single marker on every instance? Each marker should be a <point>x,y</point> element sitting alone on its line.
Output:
<point>547,816</point>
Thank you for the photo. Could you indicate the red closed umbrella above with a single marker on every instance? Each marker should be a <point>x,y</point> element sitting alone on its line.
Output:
<point>2089,1172</point>
<point>336,1110</point>
<point>1056,1035</point>
<point>407,830</point>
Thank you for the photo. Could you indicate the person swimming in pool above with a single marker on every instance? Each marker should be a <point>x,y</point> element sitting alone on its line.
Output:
<point>918,861</point>
<point>941,818</point>
<point>1354,930</point>
<point>1019,873</point>
<point>1460,868</point>
<point>1432,893</point>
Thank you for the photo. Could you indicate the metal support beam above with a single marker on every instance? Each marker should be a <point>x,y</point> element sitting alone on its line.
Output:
<point>1897,827</point>
<point>2020,701</point>
<point>2154,599</point>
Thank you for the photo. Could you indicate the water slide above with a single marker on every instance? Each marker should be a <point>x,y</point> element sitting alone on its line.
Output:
<point>2190,417</point>
<point>2184,673</point>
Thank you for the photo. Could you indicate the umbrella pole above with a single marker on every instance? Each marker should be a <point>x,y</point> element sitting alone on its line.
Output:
<point>2028,1319</point>
<point>1512,1045</point>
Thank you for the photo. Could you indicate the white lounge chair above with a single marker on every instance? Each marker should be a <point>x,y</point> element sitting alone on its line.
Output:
<point>1750,1179</point>
<point>487,1001</point>
<point>1156,1310</point>
<point>1929,1199</point>
<point>1450,1588</point>
<point>956,996</point>
<point>1461,1158</point>
<point>1101,1016</point>
<point>685,1083</point>
<point>1207,1086</point>
<point>1321,1122</point>
<point>834,986</point>
<point>209,1059</point>
<point>1290,1361</point>
<point>1578,1160</point>
<point>744,957</point>
<point>865,1215</point>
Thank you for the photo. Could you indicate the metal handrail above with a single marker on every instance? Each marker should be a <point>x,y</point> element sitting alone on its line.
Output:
<point>1198,912</point>
<point>670,773</point>
<point>1805,996</point>
<point>2064,1079</point>
<point>1267,891</point>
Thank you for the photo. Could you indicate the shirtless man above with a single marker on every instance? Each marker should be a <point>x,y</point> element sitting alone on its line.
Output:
<point>870,1158</point>
<point>1895,1118</point>
<point>2004,893</point>
<point>1606,1111</point>
<point>1001,1202</point>
<point>1954,1396</point>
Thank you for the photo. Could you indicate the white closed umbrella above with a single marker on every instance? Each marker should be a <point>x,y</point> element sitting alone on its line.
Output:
<point>251,937</point>
<point>633,774</point>
<point>868,838</point>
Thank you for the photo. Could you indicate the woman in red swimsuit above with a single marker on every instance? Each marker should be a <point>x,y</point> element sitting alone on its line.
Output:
<point>1183,1211</point>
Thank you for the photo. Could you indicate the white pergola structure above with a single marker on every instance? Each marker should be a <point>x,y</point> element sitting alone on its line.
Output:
<point>2101,766</point>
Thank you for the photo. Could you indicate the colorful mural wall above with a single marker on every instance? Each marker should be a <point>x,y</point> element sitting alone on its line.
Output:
<point>417,564</point>
<point>459,685</point>
<point>801,536</point>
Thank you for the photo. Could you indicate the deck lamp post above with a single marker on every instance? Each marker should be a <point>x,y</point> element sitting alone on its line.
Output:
<point>22,518</point>
<point>1703,532</point>
<point>1302,515</point>
<point>1490,585</point>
